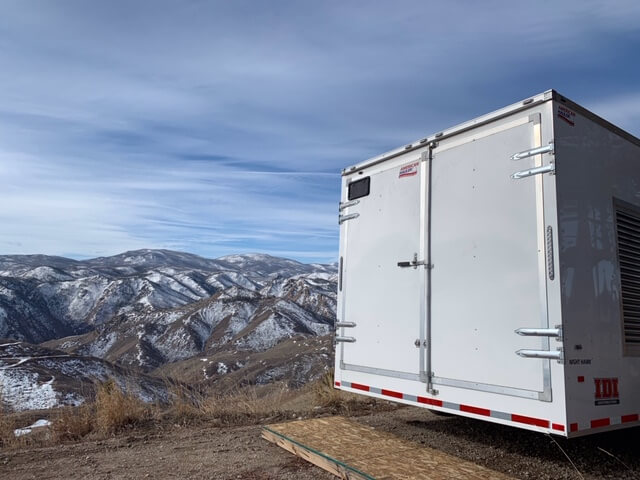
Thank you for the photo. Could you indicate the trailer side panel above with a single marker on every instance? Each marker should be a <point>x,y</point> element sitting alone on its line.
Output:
<point>597,174</point>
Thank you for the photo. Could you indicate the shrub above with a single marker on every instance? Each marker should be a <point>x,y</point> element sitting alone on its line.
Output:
<point>6,429</point>
<point>116,410</point>
<point>326,394</point>
<point>73,423</point>
<point>185,407</point>
<point>248,405</point>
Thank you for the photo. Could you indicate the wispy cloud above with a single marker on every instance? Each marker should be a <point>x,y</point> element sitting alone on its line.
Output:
<point>219,127</point>
<point>621,109</point>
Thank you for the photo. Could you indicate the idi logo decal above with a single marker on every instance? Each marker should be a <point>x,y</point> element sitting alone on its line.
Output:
<point>606,391</point>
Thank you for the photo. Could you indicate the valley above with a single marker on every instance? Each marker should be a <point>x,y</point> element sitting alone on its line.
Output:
<point>215,324</point>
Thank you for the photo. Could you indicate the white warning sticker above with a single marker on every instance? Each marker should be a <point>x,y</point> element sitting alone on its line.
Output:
<point>409,170</point>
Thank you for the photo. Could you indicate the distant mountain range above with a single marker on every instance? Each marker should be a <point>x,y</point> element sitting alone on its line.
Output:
<point>160,311</point>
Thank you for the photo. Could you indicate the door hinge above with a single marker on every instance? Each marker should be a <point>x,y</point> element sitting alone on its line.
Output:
<point>339,339</point>
<point>344,218</point>
<point>344,205</point>
<point>541,332</point>
<point>551,168</point>
<point>550,354</point>
<point>532,152</point>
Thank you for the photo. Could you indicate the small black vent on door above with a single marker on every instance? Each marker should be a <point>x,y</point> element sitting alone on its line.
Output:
<point>359,188</point>
<point>628,228</point>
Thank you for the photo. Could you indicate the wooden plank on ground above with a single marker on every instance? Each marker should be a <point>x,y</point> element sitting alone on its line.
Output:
<point>350,450</point>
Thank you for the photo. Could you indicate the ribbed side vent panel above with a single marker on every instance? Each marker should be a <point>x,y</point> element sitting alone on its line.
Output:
<point>628,226</point>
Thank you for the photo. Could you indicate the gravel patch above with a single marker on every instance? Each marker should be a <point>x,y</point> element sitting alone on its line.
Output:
<point>519,453</point>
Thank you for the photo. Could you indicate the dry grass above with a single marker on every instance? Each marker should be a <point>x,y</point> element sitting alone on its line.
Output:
<point>73,423</point>
<point>259,404</point>
<point>326,394</point>
<point>245,406</point>
<point>115,409</point>
<point>335,401</point>
<point>112,411</point>
<point>6,429</point>
<point>10,422</point>
<point>241,406</point>
<point>185,407</point>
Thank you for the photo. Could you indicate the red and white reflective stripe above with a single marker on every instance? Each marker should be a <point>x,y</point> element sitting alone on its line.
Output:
<point>513,417</point>
<point>604,422</point>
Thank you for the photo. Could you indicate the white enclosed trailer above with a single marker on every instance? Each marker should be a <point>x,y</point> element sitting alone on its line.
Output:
<point>493,271</point>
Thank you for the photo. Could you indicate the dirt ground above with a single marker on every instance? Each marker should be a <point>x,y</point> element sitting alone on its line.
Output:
<point>207,452</point>
<point>184,453</point>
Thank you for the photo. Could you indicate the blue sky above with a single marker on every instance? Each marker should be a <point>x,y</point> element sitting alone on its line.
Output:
<point>221,127</point>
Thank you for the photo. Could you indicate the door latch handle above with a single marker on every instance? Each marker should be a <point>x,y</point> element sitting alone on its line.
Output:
<point>414,263</point>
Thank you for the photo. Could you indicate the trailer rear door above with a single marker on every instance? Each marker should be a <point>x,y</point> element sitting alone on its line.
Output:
<point>383,301</point>
<point>487,246</point>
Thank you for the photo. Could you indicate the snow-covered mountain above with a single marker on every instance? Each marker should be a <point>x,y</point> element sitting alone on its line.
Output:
<point>35,378</point>
<point>44,298</point>
<point>245,318</point>
<point>151,308</point>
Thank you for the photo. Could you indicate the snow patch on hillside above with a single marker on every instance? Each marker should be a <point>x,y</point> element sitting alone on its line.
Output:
<point>42,423</point>
<point>46,274</point>
<point>25,391</point>
<point>102,345</point>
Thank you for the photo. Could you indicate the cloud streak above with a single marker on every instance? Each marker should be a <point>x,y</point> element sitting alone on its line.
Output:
<point>222,127</point>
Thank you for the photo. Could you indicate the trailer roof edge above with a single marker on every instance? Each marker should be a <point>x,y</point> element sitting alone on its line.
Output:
<point>596,118</point>
<point>490,117</point>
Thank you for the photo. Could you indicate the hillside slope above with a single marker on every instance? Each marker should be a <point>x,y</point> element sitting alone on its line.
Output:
<point>240,316</point>
<point>35,378</point>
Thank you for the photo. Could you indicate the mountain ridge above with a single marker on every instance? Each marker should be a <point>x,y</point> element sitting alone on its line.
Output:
<point>43,297</point>
<point>154,311</point>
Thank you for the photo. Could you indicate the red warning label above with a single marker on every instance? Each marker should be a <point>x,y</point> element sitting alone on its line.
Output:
<point>606,391</point>
<point>567,115</point>
<point>409,170</point>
